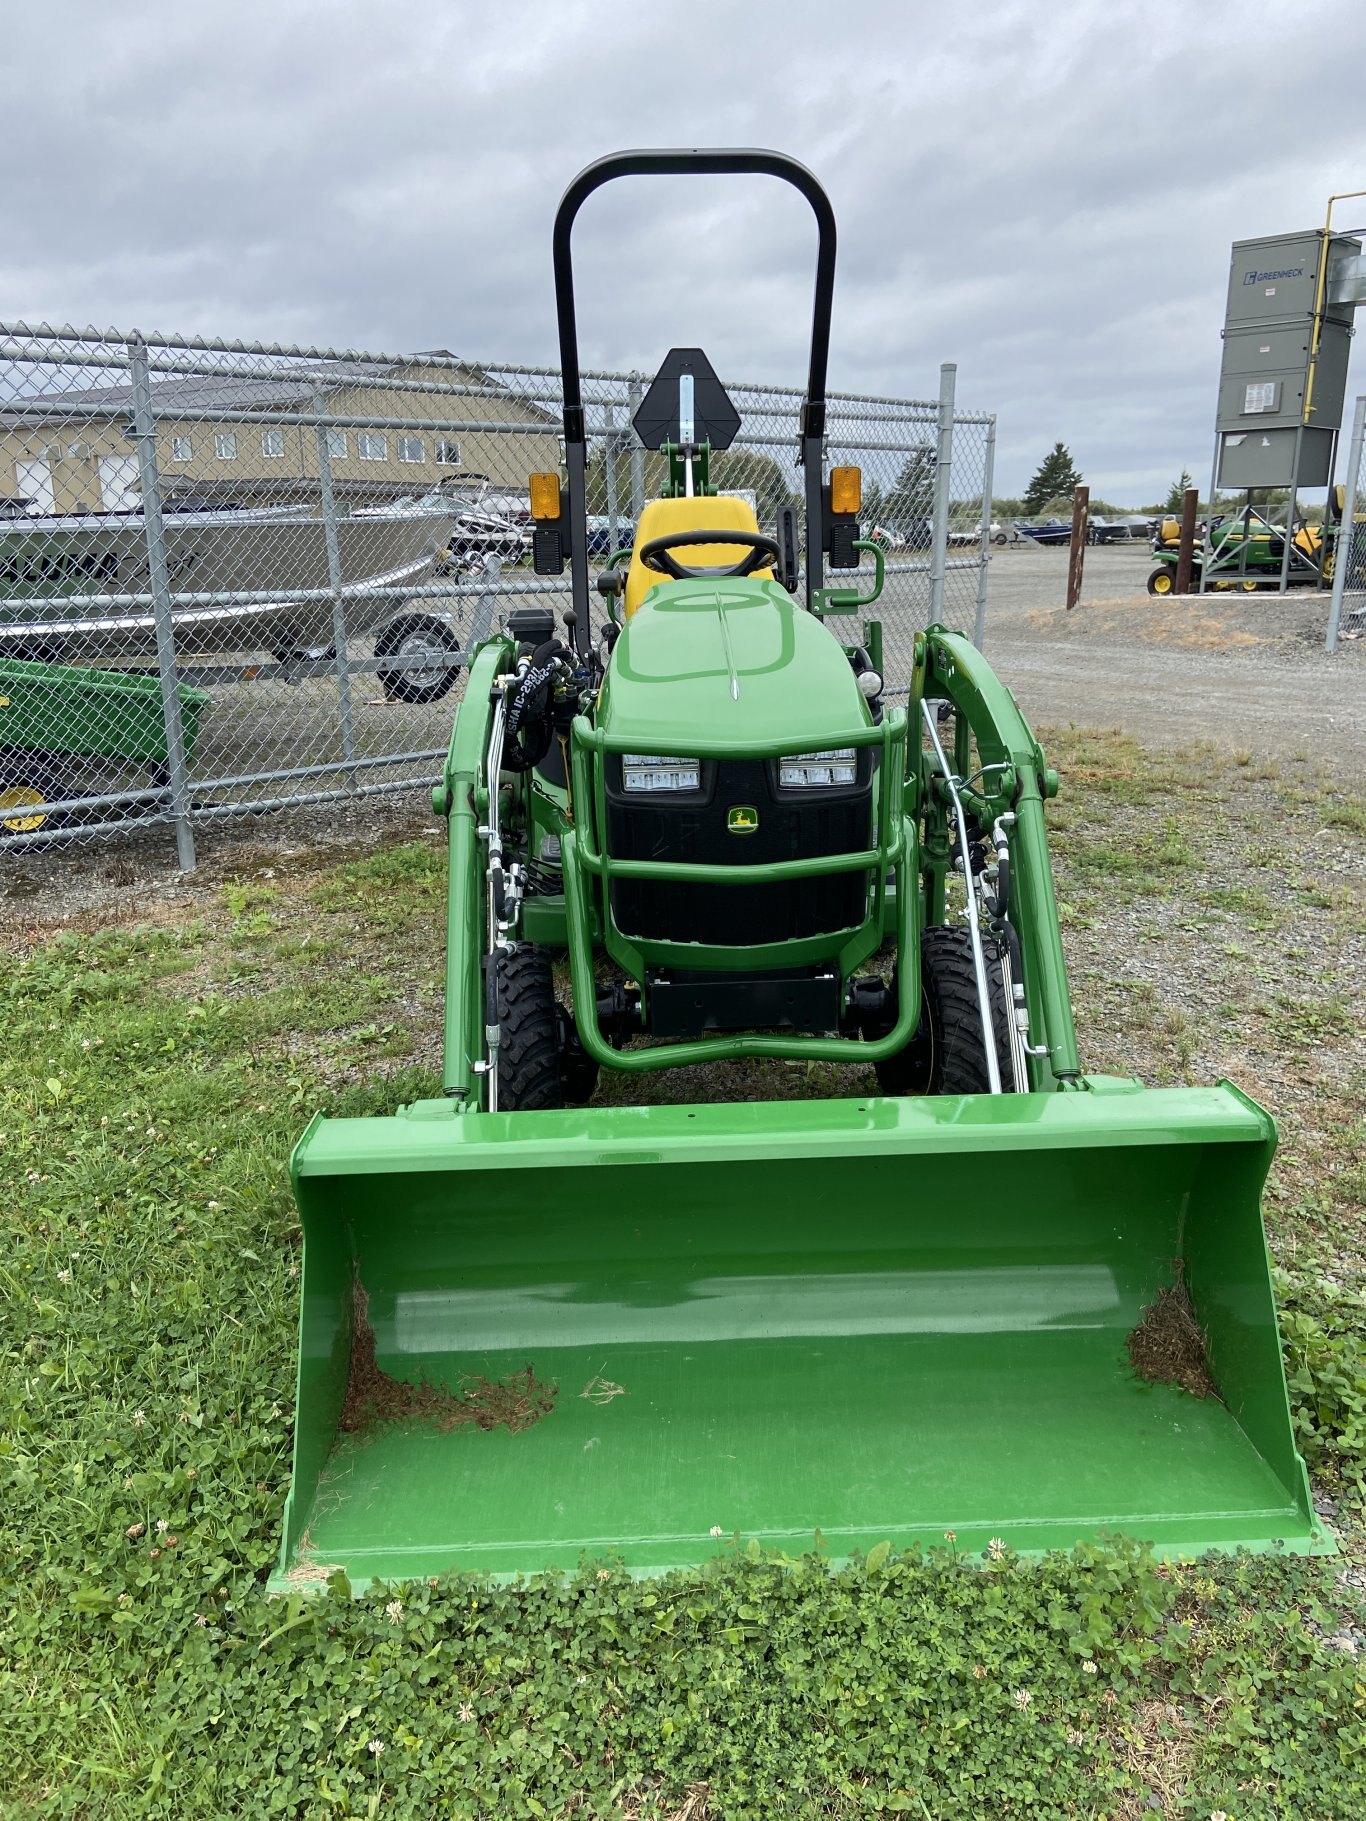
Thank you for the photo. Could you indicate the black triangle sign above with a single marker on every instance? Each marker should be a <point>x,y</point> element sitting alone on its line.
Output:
<point>715,419</point>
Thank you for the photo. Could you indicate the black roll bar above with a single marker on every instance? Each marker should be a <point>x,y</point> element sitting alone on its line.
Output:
<point>682,161</point>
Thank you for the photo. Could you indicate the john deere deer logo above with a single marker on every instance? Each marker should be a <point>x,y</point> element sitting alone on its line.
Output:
<point>742,819</point>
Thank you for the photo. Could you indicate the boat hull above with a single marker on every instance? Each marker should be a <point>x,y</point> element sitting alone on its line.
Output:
<point>78,590</point>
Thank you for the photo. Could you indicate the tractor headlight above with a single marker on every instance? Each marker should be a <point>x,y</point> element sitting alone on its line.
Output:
<point>819,770</point>
<point>644,771</point>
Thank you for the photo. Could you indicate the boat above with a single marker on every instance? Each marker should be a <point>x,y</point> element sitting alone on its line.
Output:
<point>76,588</point>
<point>1056,531</point>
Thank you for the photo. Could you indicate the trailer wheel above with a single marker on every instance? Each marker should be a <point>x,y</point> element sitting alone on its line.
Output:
<point>530,1060</point>
<point>421,643</point>
<point>946,1054</point>
<point>1162,580</point>
<point>29,781</point>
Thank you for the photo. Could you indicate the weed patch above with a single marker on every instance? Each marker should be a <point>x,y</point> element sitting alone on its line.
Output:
<point>1323,1326</point>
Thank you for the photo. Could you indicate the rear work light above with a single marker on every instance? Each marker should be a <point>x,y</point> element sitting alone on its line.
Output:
<point>644,771</point>
<point>819,770</point>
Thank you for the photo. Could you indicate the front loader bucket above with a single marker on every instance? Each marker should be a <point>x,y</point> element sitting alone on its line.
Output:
<point>874,1318</point>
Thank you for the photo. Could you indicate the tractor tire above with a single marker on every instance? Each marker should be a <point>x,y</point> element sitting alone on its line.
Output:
<point>420,642</point>
<point>1162,580</point>
<point>530,1059</point>
<point>946,1054</point>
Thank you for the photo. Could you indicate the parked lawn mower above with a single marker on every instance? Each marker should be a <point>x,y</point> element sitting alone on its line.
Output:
<point>58,719</point>
<point>977,1293</point>
<point>1246,552</point>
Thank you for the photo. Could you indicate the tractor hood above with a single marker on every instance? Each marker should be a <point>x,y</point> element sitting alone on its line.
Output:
<point>728,660</point>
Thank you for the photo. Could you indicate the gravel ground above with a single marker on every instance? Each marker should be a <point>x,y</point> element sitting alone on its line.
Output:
<point>1248,672</point>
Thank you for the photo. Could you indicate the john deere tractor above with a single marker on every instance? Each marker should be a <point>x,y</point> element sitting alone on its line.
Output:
<point>1247,552</point>
<point>693,821</point>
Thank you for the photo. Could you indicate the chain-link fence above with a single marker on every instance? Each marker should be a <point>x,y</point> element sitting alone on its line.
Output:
<point>1347,615</point>
<point>238,577</point>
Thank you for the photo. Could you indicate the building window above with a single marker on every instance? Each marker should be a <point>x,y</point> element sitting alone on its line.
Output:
<point>448,453</point>
<point>225,446</point>
<point>372,448</point>
<point>272,442</point>
<point>410,449</point>
<point>180,449</point>
<point>336,442</point>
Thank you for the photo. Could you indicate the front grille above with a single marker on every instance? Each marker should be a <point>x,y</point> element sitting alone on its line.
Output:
<point>692,826</point>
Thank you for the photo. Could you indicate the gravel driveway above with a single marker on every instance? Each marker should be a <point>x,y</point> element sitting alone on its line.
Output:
<point>1248,672</point>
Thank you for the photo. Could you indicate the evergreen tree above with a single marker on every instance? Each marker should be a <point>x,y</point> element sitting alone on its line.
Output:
<point>1176,493</point>
<point>874,503</point>
<point>1057,473</point>
<point>911,501</point>
<point>772,483</point>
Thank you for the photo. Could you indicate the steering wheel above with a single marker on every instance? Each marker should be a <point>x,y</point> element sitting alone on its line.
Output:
<point>760,550</point>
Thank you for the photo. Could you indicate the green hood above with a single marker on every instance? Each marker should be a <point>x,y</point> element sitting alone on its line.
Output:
<point>730,660</point>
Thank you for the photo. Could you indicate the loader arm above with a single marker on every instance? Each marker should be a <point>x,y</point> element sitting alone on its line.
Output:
<point>951,669</point>
<point>462,798</point>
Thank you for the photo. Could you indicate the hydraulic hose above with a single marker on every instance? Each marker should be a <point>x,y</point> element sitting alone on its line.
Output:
<point>529,725</point>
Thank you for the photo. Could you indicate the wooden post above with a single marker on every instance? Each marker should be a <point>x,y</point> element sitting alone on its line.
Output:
<point>1076,557</point>
<point>1185,550</point>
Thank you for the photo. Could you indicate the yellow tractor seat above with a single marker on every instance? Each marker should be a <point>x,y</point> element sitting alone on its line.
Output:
<point>662,517</point>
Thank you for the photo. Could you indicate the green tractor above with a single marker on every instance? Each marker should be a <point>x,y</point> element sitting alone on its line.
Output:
<point>976,1292</point>
<point>1247,551</point>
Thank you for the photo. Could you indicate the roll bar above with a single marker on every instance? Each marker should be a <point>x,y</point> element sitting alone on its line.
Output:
<point>682,161</point>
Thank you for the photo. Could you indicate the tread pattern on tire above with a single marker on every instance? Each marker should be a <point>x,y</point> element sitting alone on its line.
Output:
<point>530,1067</point>
<point>949,982</point>
<point>946,1054</point>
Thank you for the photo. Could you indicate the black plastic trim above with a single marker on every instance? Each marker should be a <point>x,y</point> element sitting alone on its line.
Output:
<point>685,161</point>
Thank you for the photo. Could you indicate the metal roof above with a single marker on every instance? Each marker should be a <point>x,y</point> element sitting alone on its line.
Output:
<point>184,394</point>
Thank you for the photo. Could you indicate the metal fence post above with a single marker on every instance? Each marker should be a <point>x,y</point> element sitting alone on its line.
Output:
<point>1289,544</point>
<point>609,468</point>
<point>334,582</point>
<point>486,607</point>
<point>1344,554</point>
<point>943,475</point>
<point>1207,536</point>
<point>634,394</point>
<point>144,434</point>
<point>1185,552</point>
<point>979,631</point>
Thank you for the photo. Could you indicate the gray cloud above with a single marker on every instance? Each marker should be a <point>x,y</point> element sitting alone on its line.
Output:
<point>1045,195</point>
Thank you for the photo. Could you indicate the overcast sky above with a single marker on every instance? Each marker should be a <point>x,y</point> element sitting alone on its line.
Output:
<point>1045,194</point>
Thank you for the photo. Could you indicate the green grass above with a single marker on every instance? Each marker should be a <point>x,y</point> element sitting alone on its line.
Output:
<point>151,1083</point>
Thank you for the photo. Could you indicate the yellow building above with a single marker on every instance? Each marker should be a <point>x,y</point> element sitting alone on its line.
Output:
<point>67,451</point>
